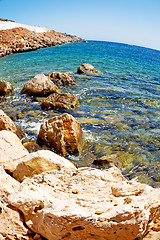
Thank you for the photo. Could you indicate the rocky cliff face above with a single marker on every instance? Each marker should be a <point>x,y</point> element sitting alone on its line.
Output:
<point>20,39</point>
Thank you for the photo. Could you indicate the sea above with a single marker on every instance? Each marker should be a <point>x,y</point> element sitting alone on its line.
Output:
<point>118,111</point>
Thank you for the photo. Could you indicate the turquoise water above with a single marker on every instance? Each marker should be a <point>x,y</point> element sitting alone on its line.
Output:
<point>119,110</point>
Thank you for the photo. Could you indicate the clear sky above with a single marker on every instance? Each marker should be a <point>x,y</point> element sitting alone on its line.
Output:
<point>127,21</point>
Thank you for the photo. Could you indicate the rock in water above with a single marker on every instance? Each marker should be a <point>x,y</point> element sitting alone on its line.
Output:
<point>6,88</point>
<point>62,133</point>
<point>63,79</point>
<point>60,100</point>
<point>39,86</point>
<point>87,68</point>
<point>6,123</point>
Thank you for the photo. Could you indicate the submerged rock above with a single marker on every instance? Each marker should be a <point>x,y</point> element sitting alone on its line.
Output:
<point>86,203</point>
<point>6,88</point>
<point>6,123</point>
<point>62,133</point>
<point>40,85</point>
<point>60,100</point>
<point>62,79</point>
<point>87,68</point>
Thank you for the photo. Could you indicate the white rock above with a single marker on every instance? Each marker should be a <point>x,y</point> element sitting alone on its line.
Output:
<point>11,149</point>
<point>89,204</point>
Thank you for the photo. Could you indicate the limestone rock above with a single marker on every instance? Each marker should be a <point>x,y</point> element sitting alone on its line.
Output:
<point>41,161</point>
<point>62,133</point>
<point>57,100</point>
<point>88,204</point>
<point>40,85</point>
<point>6,88</point>
<point>6,123</point>
<point>31,146</point>
<point>87,68</point>
<point>63,79</point>
<point>7,185</point>
<point>11,149</point>
<point>12,226</point>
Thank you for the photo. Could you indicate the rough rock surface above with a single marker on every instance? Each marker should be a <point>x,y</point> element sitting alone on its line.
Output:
<point>7,185</point>
<point>60,100</point>
<point>87,68</point>
<point>62,133</point>
<point>6,88</point>
<point>6,123</point>
<point>63,79</point>
<point>11,150</point>
<point>11,224</point>
<point>19,39</point>
<point>41,161</point>
<point>40,85</point>
<point>87,203</point>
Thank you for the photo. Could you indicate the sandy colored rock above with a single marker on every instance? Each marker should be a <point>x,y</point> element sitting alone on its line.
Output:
<point>57,100</point>
<point>63,79</point>
<point>87,68</point>
<point>6,88</point>
<point>89,204</point>
<point>40,85</point>
<point>7,185</point>
<point>11,149</point>
<point>11,224</point>
<point>41,161</point>
<point>31,146</point>
<point>62,133</point>
<point>6,123</point>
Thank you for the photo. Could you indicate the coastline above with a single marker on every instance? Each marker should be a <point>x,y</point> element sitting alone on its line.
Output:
<point>17,38</point>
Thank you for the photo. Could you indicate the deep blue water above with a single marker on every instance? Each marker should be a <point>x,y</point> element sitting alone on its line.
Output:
<point>119,110</point>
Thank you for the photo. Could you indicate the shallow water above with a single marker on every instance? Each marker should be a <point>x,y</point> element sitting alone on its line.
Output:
<point>119,110</point>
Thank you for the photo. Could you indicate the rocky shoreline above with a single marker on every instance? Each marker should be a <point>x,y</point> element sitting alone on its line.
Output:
<point>45,196</point>
<point>17,40</point>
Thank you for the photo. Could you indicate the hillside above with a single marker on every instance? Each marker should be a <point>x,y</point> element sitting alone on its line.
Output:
<point>16,38</point>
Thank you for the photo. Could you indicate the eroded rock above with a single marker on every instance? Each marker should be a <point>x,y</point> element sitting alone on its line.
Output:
<point>6,88</point>
<point>41,161</point>
<point>40,85</point>
<point>6,123</point>
<point>57,100</point>
<point>11,149</point>
<point>63,79</point>
<point>62,133</point>
<point>87,68</point>
<point>87,204</point>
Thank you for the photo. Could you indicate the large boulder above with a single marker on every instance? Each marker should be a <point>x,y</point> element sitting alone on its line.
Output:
<point>11,224</point>
<point>87,68</point>
<point>40,85</point>
<point>41,161</point>
<point>11,150</point>
<point>63,79</point>
<point>6,88</point>
<point>62,133</point>
<point>87,204</point>
<point>60,100</point>
<point>6,123</point>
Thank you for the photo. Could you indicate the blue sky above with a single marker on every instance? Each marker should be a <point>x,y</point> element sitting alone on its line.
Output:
<point>128,21</point>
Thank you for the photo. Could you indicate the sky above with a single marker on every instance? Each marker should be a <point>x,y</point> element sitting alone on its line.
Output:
<point>135,22</point>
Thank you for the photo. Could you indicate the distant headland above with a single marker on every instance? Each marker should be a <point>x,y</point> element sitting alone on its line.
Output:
<point>17,37</point>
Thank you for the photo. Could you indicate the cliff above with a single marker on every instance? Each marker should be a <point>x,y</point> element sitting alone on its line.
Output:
<point>16,38</point>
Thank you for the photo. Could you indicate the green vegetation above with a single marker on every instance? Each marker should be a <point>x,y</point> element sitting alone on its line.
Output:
<point>5,20</point>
